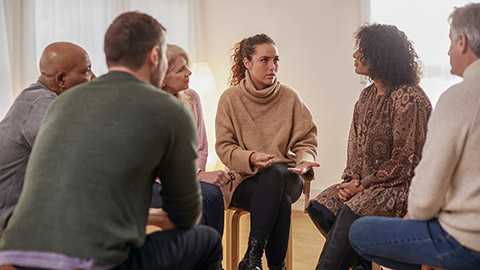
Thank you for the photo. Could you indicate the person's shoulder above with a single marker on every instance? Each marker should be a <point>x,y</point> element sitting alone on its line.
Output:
<point>410,89</point>
<point>455,96</point>
<point>288,91</point>
<point>368,90</point>
<point>230,92</point>
<point>36,93</point>
<point>193,96</point>
<point>192,93</point>
<point>410,92</point>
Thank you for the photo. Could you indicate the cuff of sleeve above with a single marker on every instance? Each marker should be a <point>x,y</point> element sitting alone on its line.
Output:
<point>243,156</point>
<point>349,176</point>
<point>303,157</point>
<point>368,181</point>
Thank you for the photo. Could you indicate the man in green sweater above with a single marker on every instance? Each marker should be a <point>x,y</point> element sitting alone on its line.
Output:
<point>89,179</point>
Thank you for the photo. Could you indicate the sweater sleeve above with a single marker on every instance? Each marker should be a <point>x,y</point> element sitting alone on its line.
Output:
<point>353,168</point>
<point>227,146</point>
<point>441,154</point>
<point>201,130</point>
<point>410,117</point>
<point>304,137</point>
<point>180,191</point>
<point>34,119</point>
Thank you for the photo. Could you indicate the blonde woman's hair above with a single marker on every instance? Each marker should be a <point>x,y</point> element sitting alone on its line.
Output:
<point>173,53</point>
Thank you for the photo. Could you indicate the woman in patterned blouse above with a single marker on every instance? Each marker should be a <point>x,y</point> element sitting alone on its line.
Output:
<point>385,142</point>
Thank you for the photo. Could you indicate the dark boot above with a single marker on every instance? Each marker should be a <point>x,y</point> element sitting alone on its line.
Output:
<point>253,257</point>
<point>337,254</point>
<point>321,217</point>
<point>283,267</point>
<point>360,263</point>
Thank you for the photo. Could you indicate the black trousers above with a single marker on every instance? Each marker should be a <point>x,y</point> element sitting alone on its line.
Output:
<point>268,196</point>
<point>197,248</point>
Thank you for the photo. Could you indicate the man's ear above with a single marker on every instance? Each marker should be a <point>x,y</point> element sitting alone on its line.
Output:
<point>463,42</point>
<point>154,56</point>
<point>60,80</point>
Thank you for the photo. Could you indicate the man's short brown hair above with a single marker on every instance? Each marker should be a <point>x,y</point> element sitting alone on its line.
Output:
<point>129,38</point>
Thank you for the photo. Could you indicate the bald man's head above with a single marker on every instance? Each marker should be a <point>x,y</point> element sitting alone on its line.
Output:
<point>63,65</point>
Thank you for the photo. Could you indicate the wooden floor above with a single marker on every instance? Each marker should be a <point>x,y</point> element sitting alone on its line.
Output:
<point>307,241</point>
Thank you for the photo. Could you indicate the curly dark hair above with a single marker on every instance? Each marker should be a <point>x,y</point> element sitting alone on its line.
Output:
<point>245,48</point>
<point>390,54</point>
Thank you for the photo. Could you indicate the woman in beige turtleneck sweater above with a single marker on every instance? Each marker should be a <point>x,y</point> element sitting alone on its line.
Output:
<point>267,139</point>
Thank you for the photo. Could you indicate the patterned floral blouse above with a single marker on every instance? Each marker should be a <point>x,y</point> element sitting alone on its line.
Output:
<point>384,147</point>
<point>387,136</point>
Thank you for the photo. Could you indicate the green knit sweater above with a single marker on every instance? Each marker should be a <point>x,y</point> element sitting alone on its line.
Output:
<point>89,179</point>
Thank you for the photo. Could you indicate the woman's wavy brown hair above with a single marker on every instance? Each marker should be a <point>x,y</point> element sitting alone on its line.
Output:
<point>389,53</point>
<point>245,48</point>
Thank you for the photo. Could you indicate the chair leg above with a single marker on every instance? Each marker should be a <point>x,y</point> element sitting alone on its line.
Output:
<point>233,246</point>
<point>7,267</point>
<point>232,232</point>
<point>376,266</point>
<point>228,239</point>
<point>427,267</point>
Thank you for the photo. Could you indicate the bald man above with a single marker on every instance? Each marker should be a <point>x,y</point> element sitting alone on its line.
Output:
<point>62,65</point>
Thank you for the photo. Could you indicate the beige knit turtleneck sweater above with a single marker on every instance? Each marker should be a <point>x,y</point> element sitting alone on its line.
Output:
<point>273,120</point>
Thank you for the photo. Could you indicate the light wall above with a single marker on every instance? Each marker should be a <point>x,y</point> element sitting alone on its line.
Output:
<point>315,43</point>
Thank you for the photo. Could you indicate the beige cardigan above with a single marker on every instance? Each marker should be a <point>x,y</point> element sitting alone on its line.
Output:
<point>273,121</point>
<point>447,179</point>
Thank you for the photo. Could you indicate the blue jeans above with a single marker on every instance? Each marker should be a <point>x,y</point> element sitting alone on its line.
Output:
<point>406,244</point>
<point>213,206</point>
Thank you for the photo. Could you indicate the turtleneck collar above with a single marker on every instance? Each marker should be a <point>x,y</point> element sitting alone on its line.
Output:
<point>259,96</point>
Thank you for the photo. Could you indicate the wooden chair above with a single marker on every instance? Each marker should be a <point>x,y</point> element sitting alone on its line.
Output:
<point>232,233</point>
<point>7,267</point>
<point>426,267</point>
<point>376,266</point>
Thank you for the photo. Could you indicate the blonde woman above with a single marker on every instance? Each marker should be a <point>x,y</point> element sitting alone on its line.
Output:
<point>176,82</point>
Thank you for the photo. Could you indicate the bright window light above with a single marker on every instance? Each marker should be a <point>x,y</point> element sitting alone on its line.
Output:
<point>426,24</point>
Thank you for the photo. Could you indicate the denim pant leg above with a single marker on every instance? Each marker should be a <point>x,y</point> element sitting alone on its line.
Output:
<point>213,207</point>
<point>406,244</point>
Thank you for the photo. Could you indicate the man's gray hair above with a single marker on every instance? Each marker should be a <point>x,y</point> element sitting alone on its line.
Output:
<point>466,20</point>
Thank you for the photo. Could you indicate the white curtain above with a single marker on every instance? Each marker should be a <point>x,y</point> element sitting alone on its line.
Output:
<point>6,93</point>
<point>426,24</point>
<point>17,49</point>
<point>85,22</point>
<point>27,26</point>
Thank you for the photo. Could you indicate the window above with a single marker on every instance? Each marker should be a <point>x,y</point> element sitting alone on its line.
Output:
<point>426,24</point>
